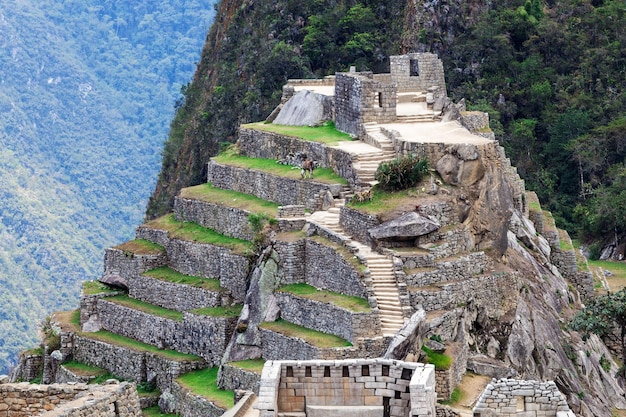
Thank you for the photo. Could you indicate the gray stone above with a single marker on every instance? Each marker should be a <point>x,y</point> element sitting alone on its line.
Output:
<point>408,339</point>
<point>115,280</point>
<point>92,325</point>
<point>410,224</point>
<point>305,108</point>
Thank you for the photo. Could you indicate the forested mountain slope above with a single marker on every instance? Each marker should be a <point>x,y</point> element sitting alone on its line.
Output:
<point>87,90</point>
<point>551,74</point>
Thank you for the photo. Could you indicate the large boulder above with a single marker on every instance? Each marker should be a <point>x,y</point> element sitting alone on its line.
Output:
<point>305,108</point>
<point>408,225</point>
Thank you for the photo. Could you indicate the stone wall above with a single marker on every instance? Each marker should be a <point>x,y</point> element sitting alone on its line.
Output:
<point>454,269</point>
<point>327,318</point>
<point>203,336</point>
<point>403,388</point>
<point>179,297</point>
<point>89,304</point>
<point>203,260</point>
<point>356,223</point>
<point>493,292</point>
<point>359,98</point>
<point>260,144</point>
<point>56,400</point>
<point>326,268</point>
<point>228,221</point>
<point>291,265</point>
<point>512,397</point>
<point>132,365</point>
<point>128,265</point>
<point>449,379</point>
<point>270,187</point>
<point>29,367</point>
<point>447,242</point>
<point>181,401</point>
<point>425,71</point>
<point>234,378</point>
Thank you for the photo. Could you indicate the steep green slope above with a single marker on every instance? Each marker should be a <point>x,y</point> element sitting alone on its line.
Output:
<point>551,75</point>
<point>87,93</point>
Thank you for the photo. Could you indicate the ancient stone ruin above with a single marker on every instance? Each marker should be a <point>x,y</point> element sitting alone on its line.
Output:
<point>288,289</point>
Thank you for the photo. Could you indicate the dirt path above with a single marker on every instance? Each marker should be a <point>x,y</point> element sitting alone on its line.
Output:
<point>471,387</point>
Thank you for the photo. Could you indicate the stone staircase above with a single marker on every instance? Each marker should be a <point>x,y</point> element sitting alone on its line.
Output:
<point>417,118</point>
<point>367,164</point>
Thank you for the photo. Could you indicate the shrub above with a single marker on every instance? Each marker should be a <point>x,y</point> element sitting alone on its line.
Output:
<point>401,173</point>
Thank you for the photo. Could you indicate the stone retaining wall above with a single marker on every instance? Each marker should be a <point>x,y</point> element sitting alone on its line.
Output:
<point>203,336</point>
<point>181,401</point>
<point>327,318</point>
<point>234,378</point>
<point>512,397</point>
<point>29,367</point>
<point>356,223</point>
<point>403,388</point>
<point>89,304</point>
<point>281,190</point>
<point>60,400</point>
<point>493,292</point>
<point>179,297</point>
<point>327,269</point>
<point>228,221</point>
<point>64,376</point>
<point>291,265</point>
<point>449,379</point>
<point>128,265</point>
<point>203,260</point>
<point>132,365</point>
<point>260,144</point>
<point>446,243</point>
<point>456,269</point>
<point>291,211</point>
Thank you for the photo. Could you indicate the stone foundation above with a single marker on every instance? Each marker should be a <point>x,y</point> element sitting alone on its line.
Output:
<point>234,378</point>
<point>173,296</point>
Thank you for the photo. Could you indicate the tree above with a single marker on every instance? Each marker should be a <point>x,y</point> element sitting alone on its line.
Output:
<point>602,315</point>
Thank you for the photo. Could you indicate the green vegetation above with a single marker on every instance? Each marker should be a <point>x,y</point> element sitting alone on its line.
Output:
<point>168,274</point>
<point>126,301</point>
<point>401,173</point>
<point>155,412</point>
<point>455,397</point>
<point>381,201</point>
<point>229,198</point>
<point>223,311</point>
<point>440,360</point>
<point>254,365</point>
<point>356,304</point>
<point>204,383</point>
<point>230,157</point>
<point>82,369</point>
<point>326,134</point>
<point>565,243</point>
<point>96,287</point>
<point>137,346</point>
<point>140,247</point>
<point>312,337</point>
<point>196,233</point>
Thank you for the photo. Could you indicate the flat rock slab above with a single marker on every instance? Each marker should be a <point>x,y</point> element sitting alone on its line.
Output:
<point>305,108</point>
<point>407,225</point>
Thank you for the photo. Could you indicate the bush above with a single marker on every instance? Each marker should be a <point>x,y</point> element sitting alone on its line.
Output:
<point>401,173</point>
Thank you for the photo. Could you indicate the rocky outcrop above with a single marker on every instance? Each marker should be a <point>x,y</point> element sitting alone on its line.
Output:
<point>305,108</point>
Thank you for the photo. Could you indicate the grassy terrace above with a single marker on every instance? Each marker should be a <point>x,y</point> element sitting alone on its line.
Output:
<point>548,221</point>
<point>195,233</point>
<point>223,311</point>
<point>254,365</point>
<point>343,251</point>
<point>81,369</point>
<point>204,383</point>
<point>356,304</point>
<point>231,157</point>
<point>209,193</point>
<point>312,337</point>
<point>140,247</point>
<point>137,346</point>
<point>440,360</point>
<point>155,412</point>
<point>326,134</point>
<point>126,301</point>
<point>96,287</point>
<point>565,243</point>
<point>381,201</point>
<point>167,274</point>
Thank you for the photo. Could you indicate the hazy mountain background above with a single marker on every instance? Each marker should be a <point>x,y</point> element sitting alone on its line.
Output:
<point>87,91</point>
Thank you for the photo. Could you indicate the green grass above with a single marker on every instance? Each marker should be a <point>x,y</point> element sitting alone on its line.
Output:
<point>455,397</point>
<point>96,287</point>
<point>254,365</point>
<point>312,337</point>
<point>207,192</point>
<point>617,268</point>
<point>440,360</point>
<point>382,200</point>
<point>34,351</point>
<point>356,304</point>
<point>565,244</point>
<point>82,369</point>
<point>204,383</point>
<point>155,412</point>
<point>231,157</point>
<point>168,274</point>
<point>193,232</point>
<point>548,221</point>
<point>326,134</point>
<point>137,346</point>
<point>126,301</point>
<point>140,247</point>
<point>222,311</point>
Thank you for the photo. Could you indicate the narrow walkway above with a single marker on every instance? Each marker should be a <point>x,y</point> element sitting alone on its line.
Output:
<point>381,272</point>
<point>366,164</point>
